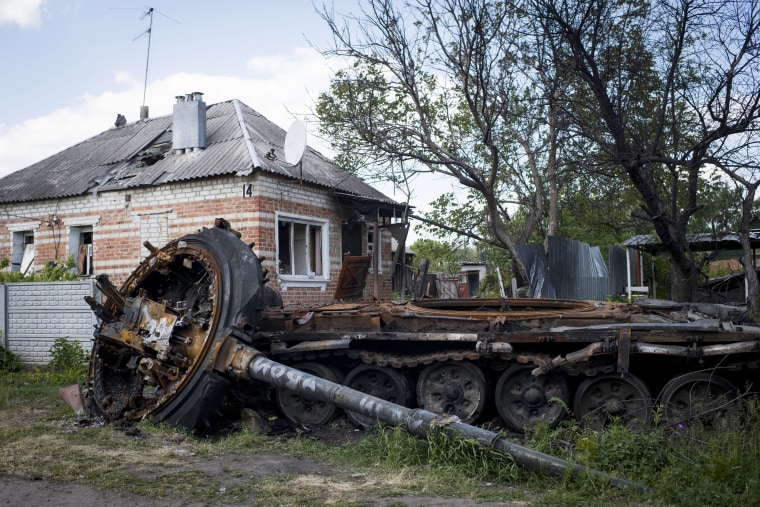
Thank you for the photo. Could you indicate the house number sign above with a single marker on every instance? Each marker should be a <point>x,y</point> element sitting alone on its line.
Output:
<point>247,190</point>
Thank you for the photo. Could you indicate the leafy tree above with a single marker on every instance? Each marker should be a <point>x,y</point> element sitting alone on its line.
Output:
<point>662,90</point>
<point>436,86</point>
<point>549,111</point>
<point>446,257</point>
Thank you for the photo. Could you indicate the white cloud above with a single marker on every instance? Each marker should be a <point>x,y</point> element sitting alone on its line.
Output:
<point>284,88</point>
<point>121,77</point>
<point>24,13</point>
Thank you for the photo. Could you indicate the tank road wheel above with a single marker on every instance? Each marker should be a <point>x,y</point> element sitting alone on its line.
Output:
<point>379,381</point>
<point>455,388</point>
<point>305,410</point>
<point>601,400</point>
<point>524,400</point>
<point>698,396</point>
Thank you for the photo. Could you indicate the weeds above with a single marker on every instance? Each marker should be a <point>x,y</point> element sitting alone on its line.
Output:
<point>441,451</point>
<point>69,357</point>
<point>8,361</point>
<point>685,465</point>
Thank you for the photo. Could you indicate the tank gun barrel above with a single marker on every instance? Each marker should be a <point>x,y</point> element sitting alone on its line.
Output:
<point>198,313</point>
<point>244,362</point>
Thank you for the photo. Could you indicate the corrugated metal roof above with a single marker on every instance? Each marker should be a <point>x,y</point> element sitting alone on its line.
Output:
<point>139,154</point>
<point>698,242</point>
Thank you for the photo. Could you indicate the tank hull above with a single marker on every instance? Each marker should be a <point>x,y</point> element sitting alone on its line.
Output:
<point>522,361</point>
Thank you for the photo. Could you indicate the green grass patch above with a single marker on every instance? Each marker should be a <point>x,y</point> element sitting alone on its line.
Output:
<point>685,465</point>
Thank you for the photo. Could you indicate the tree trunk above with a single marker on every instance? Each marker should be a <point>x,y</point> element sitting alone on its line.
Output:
<point>680,283</point>
<point>747,259</point>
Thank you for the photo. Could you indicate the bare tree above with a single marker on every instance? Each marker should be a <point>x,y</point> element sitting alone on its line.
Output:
<point>450,86</point>
<point>664,89</point>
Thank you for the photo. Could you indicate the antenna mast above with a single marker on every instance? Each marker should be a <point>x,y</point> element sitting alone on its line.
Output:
<point>149,13</point>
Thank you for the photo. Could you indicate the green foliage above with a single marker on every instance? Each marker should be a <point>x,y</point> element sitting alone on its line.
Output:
<point>8,360</point>
<point>444,257</point>
<point>624,452</point>
<point>441,451</point>
<point>595,108</point>
<point>715,467</point>
<point>52,272</point>
<point>68,357</point>
<point>685,466</point>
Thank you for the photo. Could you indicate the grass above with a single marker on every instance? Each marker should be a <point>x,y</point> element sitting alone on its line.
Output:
<point>685,466</point>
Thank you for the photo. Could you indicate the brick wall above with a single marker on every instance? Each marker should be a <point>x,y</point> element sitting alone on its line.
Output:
<point>35,314</point>
<point>122,220</point>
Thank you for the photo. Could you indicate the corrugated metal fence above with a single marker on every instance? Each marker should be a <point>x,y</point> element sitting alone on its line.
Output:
<point>33,315</point>
<point>573,270</point>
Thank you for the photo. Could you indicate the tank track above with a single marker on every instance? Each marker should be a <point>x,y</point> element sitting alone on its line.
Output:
<point>157,350</point>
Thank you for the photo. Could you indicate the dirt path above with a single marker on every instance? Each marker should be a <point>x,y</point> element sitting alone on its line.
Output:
<point>29,492</point>
<point>229,471</point>
<point>321,482</point>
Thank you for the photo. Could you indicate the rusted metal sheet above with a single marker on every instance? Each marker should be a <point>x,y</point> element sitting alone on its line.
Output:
<point>353,276</point>
<point>189,320</point>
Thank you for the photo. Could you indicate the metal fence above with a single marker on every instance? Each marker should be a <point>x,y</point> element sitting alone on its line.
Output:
<point>573,270</point>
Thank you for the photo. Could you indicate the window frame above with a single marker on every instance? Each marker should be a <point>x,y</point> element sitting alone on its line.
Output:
<point>75,242</point>
<point>21,241</point>
<point>375,246</point>
<point>76,226</point>
<point>17,233</point>
<point>322,255</point>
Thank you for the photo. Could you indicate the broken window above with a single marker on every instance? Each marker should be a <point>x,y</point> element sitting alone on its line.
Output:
<point>302,247</point>
<point>352,242</point>
<point>80,246</point>
<point>22,254</point>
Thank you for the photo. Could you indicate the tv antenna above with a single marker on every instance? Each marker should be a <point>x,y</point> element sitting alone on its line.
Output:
<point>149,31</point>
<point>149,13</point>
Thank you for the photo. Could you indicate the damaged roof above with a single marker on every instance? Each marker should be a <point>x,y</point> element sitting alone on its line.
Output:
<point>239,142</point>
<point>698,242</point>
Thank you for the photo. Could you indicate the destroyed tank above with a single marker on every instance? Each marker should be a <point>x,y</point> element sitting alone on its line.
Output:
<point>184,329</point>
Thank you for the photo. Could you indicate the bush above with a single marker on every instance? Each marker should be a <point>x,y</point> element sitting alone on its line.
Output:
<point>68,357</point>
<point>52,272</point>
<point>8,360</point>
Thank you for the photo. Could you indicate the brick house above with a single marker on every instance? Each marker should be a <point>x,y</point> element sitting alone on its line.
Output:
<point>159,178</point>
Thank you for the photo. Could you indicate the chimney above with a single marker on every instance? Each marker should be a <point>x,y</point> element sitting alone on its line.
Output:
<point>189,130</point>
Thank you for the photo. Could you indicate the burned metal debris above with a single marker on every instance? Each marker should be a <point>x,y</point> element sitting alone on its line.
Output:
<point>197,316</point>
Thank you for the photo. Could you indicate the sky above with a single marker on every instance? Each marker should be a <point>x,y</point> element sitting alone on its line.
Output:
<point>69,67</point>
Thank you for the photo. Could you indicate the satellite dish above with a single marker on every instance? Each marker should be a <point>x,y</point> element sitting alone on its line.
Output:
<point>295,142</point>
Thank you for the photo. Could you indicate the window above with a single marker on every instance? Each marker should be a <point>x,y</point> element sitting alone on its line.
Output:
<point>302,250</point>
<point>22,254</point>
<point>80,246</point>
